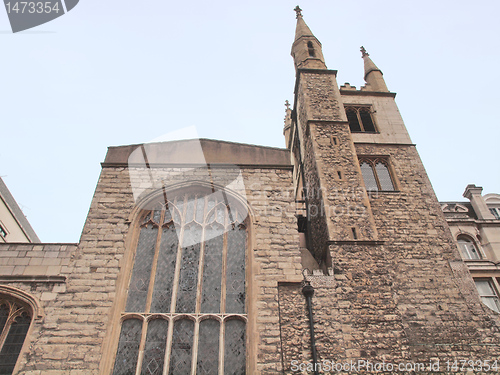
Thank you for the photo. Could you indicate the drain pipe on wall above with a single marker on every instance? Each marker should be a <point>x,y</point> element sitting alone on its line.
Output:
<point>308,292</point>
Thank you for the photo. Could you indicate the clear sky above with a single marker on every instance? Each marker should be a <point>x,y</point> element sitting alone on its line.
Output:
<point>119,72</point>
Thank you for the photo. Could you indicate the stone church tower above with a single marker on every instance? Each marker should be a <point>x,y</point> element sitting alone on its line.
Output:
<point>212,257</point>
<point>398,291</point>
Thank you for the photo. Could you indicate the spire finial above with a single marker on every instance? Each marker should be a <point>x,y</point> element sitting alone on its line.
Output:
<point>287,104</point>
<point>363,52</point>
<point>298,11</point>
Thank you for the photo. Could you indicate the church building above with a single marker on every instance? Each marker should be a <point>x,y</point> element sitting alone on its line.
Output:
<point>210,257</point>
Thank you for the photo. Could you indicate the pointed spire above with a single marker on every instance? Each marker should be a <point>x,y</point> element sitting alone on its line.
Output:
<point>373,75</point>
<point>302,29</point>
<point>306,48</point>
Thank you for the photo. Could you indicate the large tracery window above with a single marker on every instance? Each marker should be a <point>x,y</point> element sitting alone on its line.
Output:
<point>15,320</point>
<point>186,307</point>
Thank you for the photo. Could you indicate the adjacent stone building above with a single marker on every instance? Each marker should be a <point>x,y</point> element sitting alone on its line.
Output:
<point>475,225</point>
<point>14,227</point>
<point>212,257</point>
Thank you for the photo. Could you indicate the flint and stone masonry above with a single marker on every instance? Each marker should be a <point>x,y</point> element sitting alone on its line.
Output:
<point>388,279</point>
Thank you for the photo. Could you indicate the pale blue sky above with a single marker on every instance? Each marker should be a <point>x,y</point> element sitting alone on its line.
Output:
<point>125,72</point>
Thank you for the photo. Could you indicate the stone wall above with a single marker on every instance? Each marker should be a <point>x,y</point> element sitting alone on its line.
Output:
<point>400,292</point>
<point>77,334</point>
<point>406,298</point>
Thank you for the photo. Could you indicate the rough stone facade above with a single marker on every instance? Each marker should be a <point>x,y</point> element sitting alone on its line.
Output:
<point>389,284</point>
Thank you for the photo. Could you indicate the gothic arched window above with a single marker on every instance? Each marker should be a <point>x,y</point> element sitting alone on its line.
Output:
<point>360,119</point>
<point>376,174</point>
<point>15,320</point>
<point>468,248</point>
<point>186,306</point>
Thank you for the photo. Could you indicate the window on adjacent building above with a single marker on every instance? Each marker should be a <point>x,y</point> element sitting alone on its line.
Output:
<point>376,174</point>
<point>468,248</point>
<point>186,304</point>
<point>488,293</point>
<point>3,233</point>
<point>495,211</point>
<point>360,119</point>
<point>15,320</point>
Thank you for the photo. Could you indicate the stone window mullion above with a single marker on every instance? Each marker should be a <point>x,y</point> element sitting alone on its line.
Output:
<point>359,120</point>
<point>221,347</point>
<point>196,336</point>
<point>166,367</point>
<point>178,261</point>
<point>373,164</point>
<point>202,257</point>
<point>175,287</point>
<point>142,344</point>
<point>155,263</point>
<point>224,268</point>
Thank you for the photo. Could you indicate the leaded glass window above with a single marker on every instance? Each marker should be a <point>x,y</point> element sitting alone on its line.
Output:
<point>15,320</point>
<point>186,301</point>
<point>376,174</point>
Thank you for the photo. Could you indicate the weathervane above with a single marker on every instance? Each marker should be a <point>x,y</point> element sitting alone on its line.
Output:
<point>298,11</point>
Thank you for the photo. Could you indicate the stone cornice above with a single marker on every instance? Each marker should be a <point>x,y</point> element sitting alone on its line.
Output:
<point>32,279</point>
<point>367,93</point>
<point>333,122</point>
<point>483,222</point>
<point>212,166</point>
<point>482,265</point>
<point>383,144</point>
<point>356,242</point>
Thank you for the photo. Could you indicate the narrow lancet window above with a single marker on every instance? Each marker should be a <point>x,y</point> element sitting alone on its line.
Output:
<point>310,48</point>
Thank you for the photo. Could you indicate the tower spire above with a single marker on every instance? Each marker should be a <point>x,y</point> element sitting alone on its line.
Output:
<point>373,75</point>
<point>306,48</point>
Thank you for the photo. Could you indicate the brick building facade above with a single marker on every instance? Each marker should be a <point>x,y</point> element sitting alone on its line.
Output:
<point>199,256</point>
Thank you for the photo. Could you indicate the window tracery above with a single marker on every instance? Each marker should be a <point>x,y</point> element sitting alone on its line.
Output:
<point>360,119</point>
<point>376,174</point>
<point>15,320</point>
<point>186,304</point>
